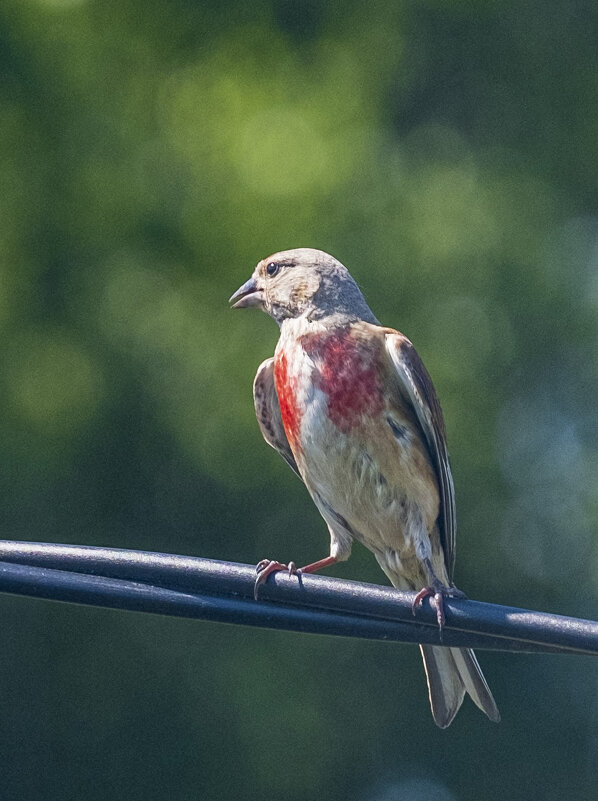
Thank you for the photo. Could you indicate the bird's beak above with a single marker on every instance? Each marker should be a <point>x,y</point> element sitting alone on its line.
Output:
<point>247,295</point>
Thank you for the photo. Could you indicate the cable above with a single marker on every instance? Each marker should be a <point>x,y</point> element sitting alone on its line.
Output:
<point>223,591</point>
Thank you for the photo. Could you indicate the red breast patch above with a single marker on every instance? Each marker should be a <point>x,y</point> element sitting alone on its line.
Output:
<point>286,389</point>
<point>347,373</point>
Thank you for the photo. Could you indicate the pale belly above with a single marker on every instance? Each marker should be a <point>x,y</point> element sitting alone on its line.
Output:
<point>363,483</point>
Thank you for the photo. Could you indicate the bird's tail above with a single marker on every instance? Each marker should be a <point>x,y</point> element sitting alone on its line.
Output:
<point>451,672</point>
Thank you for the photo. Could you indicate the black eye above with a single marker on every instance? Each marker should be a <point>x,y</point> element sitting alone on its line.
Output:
<point>272,268</point>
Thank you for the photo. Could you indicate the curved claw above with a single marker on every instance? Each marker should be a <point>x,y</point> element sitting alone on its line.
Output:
<point>438,592</point>
<point>267,566</point>
<point>431,592</point>
<point>262,564</point>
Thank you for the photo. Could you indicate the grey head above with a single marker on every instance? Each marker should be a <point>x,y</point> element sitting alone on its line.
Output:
<point>303,282</point>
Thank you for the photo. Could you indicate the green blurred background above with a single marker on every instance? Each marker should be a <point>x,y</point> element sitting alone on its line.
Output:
<point>151,153</point>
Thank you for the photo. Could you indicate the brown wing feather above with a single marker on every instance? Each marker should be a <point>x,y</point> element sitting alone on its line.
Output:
<point>417,384</point>
<point>267,411</point>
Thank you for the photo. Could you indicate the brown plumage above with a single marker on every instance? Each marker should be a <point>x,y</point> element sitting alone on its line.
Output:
<point>351,408</point>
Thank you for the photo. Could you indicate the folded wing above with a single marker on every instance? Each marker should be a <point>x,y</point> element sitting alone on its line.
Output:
<point>416,385</point>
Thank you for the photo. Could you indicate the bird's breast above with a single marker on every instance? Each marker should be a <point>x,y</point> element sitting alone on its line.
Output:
<point>334,375</point>
<point>346,370</point>
<point>329,386</point>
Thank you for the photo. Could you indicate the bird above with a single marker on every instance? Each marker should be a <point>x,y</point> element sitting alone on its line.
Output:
<point>350,407</point>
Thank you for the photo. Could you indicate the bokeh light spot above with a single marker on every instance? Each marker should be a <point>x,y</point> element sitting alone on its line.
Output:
<point>282,153</point>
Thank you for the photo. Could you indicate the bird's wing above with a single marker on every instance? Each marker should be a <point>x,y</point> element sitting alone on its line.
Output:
<point>417,386</point>
<point>267,411</point>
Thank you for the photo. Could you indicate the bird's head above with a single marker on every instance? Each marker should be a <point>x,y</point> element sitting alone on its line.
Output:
<point>300,282</point>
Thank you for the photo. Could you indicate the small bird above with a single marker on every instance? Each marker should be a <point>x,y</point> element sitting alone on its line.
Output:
<point>350,407</point>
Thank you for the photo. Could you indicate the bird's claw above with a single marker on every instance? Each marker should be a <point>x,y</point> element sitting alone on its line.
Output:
<point>431,592</point>
<point>267,566</point>
<point>438,592</point>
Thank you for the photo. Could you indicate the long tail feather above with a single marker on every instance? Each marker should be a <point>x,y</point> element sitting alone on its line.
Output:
<point>450,673</point>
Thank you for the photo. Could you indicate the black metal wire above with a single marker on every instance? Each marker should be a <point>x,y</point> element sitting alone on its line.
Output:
<point>223,591</point>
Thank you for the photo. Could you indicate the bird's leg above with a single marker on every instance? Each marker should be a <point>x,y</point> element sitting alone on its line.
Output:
<point>268,566</point>
<point>438,591</point>
<point>321,563</point>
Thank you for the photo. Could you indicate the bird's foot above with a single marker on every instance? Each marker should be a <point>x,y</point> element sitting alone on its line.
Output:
<point>268,566</point>
<point>438,592</point>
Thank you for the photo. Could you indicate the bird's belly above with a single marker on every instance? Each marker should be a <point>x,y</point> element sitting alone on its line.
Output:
<point>346,472</point>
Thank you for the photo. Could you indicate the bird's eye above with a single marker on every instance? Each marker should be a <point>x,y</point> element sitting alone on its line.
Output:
<point>272,268</point>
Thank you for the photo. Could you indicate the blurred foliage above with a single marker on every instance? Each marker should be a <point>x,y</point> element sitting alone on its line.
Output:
<point>150,154</point>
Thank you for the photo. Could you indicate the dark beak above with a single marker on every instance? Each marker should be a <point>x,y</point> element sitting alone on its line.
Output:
<point>247,295</point>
